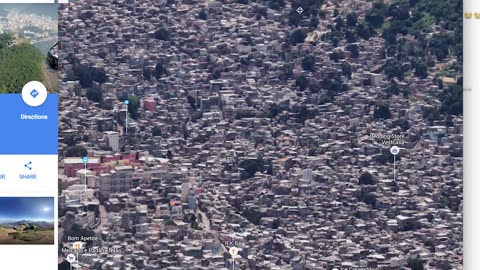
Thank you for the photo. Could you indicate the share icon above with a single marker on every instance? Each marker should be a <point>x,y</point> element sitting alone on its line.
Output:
<point>28,165</point>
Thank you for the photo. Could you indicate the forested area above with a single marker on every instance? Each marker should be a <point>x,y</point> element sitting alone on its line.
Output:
<point>19,64</point>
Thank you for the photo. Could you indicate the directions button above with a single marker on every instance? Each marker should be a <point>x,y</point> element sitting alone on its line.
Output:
<point>34,93</point>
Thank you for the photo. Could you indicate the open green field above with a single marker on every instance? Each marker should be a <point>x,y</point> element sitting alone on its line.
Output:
<point>38,236</point>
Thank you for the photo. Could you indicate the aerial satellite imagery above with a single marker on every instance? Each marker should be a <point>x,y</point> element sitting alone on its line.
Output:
<point>261,134</point>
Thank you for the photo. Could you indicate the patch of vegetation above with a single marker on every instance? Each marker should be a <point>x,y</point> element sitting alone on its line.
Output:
<point>415,264</point>
<point>367,178</point>
<point>75,151</point>
<point>133,106</point>
<point>452,100</point>
<point>251,166</point>
<point>367,197</point>
<point>382,111</point>
<point>19,64</point>
<point>253,215</point>
<point>85,74</point>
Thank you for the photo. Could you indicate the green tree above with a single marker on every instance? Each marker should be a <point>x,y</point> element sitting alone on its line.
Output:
<point>87,75</point>
<point>314,22</point>
<point>76,151</point>
<point>250,167</point>
<point>297,36</point>
<point>261,12</point>
<point>156,131</point>
<point>202,15</point>
<point>94,94</point>
<point>415,264</point>
<point>339,23</point>
<point>421,70</point>
<point>347,70</point>
<point>169,222</point>
<point>191,100</point>
<point>169,154</point>
<point>276,223</point>
<point>253,215</point>
<point>402,123</point>
<point>431,114</point>
<point>367,197</point>
<point>336,12</point>
<point>382,111</point>
<point>374,18</point>
<point>162,34</point>
<point>363,32</point>
<point>302,83</point>
<point>351,20</point>
<point>276,4</point>
<point>133,106</point>
<point>393,69</point>
<point>160,70</point>
<point>452,100</point>
<point>294,18</point>
<point>337,55</point>
<point>308,62</point>
<point>303,114</point>
<point>366,178</point>
<point>353,49</point>
<point>351,36</point>
<point>5,38</point>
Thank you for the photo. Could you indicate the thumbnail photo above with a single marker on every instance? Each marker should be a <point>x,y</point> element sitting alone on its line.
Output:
<point>28,46</point>
<point>27,220</point>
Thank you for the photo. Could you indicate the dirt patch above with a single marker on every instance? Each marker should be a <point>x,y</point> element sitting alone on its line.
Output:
<point>50,79</point>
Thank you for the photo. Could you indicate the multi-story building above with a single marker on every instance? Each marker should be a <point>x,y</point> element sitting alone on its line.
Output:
<point>117,181</point>
<point>113,139</point>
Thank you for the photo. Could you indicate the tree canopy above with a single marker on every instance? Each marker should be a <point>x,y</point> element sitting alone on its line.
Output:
<point>94,94</point>
<point>133,106</point>
<point>19,64</point>
<point>308,62</point>
<point>76,151</point>
<point>366,178</point>
<point>382,111</point>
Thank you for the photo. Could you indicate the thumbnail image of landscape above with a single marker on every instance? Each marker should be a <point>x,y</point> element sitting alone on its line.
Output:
<point>307,134</point>
<point>27,33</point>
<point>26,220</point>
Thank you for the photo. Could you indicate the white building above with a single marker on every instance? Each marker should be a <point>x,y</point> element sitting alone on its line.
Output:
<point>113,139</point>
<point>307,174</point>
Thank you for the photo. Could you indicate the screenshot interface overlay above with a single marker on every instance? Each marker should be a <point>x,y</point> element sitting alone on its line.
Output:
<point>29,135</point>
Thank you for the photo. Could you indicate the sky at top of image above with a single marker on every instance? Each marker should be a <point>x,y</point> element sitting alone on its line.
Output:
<point>49,10</point>
<point>26,208</point>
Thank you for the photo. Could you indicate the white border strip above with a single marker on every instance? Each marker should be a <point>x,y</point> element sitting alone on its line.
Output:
<point>471,132</point>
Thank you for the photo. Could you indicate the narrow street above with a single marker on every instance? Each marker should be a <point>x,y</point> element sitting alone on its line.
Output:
<point>103,219</point>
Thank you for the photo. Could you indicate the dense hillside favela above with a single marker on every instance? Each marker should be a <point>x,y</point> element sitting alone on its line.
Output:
<point>188,127</point>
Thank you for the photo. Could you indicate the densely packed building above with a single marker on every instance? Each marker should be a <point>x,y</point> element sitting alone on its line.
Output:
<point>225,150</point>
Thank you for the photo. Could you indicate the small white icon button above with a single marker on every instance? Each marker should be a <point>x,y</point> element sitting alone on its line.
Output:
<point>34,93</point>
